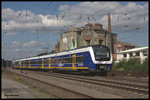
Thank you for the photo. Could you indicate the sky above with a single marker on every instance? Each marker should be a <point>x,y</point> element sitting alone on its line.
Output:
<point>30,28</point>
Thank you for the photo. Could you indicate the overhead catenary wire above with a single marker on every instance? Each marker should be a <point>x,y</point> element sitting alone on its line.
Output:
<point>129,38</point>
<point>19,14</point>
<point>43,12</point>
<point>136,33</point>
<point>90,18</point>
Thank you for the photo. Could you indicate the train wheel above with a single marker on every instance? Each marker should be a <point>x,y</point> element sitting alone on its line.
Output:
<point>54,70</point>
<point>103,73</point>
<point>50,70</point>
<point>85,72</point>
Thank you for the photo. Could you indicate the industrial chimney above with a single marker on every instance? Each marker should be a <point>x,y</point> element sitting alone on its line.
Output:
<point>109,23</point>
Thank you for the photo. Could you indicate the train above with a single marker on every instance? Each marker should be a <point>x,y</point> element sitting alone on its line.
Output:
<point>88,59</point>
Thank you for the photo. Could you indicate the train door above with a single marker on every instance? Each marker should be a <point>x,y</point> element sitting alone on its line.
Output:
<point>49,64</point>
<point>87,61</point>
<point>73,62</point>
<point>23,64</point>
<point>20,64</point>
<point>29,64</point>
<point>42,63</point>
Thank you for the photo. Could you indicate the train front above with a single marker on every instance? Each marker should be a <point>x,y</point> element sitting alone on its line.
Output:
<point>102,58</point>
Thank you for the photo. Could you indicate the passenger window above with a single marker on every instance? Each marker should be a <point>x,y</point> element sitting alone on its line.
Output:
<point>79,59</point>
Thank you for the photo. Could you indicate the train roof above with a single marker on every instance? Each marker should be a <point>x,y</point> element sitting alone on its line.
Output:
<point>77,50</point>
<point>58,54</point>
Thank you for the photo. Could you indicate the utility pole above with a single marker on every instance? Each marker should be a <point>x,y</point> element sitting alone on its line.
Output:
<point>109,30</point>
<point>109,23</point>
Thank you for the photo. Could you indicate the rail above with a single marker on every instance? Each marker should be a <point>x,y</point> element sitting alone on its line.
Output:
<point>57,91</point>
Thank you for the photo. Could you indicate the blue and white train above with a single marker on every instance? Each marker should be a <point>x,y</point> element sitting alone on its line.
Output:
<point>95,58</point>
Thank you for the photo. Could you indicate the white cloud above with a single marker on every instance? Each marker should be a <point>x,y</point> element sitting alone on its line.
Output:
<point>8,13</point>
<point>53,23</point>
<point>16,22</point>
<point>76,15</point>
<point>26,44</point>
<point>64,7</point>
<point>16,44</point>
<point>28,21</point>
<point>18,50</point>
<point>4,45</point>
<point>131,15</point>
<point>32,44</point>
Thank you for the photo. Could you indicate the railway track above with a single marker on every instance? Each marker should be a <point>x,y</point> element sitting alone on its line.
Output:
<point>126,73</point>
<point>128,79</point>
<point>57,91</point>
<point>140,89</point>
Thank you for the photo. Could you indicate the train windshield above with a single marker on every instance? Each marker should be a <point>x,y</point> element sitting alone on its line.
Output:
<point>102,53</point>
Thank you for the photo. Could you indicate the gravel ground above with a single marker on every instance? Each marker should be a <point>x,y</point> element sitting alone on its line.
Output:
<point>12,89</point>
<point>17,87</point>
<point>95,91</point>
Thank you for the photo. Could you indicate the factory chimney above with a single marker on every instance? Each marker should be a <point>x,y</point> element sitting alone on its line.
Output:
<point>109,23</point>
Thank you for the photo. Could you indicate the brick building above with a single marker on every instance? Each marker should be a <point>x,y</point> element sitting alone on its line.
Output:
<point>122,46</point>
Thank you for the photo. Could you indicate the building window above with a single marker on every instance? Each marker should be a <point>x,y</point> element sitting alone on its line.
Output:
<point>79,32</point>
<point>118,45</point>
<point>144,53</point>
<point>137,54</point>
<point>125,55</point>
<point>100,42</point>
<point>88,42</point>
<point>131,54</point>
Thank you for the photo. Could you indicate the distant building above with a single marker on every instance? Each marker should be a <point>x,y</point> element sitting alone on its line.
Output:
<point>57,47</point>
<point>138,53</point>
<point>90,34</point>
<point>122,46</point>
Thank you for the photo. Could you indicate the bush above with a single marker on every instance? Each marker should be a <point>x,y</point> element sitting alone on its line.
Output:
<point>132,65</point>
<point>144,65</point>
<point>117,66</point>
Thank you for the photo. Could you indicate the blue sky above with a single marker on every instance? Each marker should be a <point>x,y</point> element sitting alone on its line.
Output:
<point>27,34</point>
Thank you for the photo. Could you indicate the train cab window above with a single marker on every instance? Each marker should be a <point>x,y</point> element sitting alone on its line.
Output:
<point>101,52</point>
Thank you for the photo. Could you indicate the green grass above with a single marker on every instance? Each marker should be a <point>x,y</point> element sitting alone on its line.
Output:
<point>33,86</point>
<point>16,78</point>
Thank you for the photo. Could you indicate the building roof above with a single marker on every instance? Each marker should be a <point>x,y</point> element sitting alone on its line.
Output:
<point>134,50</point>
<point>128,44</point>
